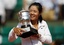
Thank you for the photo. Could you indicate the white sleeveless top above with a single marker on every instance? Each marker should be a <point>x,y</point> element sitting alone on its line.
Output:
<point>42,30</point>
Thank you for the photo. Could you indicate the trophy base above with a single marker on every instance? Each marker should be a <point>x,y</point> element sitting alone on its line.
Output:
<point>29,33</point>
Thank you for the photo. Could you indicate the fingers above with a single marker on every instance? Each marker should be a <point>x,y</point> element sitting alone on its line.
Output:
<point>22,30</point>
<point>36,35</point>
<point>18,31</point>
<point>39,35</point>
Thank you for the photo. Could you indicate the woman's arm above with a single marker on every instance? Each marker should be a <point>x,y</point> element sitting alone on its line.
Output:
<point>47,37</point>
<point>12,36</point>
<point>14,33</point>
<point>45,34</point>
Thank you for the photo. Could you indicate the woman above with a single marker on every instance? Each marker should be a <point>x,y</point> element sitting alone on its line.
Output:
<point>43,36</point>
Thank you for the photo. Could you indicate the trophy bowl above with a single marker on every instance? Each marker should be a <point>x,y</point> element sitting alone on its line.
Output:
<point>24,18</point>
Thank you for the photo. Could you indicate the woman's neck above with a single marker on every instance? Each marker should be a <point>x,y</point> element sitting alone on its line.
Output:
<point>34,22</point>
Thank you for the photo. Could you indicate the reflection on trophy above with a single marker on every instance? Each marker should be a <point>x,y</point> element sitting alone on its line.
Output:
<point>24,18</point>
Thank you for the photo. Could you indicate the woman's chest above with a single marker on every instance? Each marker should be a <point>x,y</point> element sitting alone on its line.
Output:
<point>41,28</point>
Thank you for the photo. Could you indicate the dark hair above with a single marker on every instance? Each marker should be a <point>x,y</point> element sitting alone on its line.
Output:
<point>39,6</point>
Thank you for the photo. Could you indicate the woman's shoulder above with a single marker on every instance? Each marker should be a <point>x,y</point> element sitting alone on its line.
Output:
<point>44,22</point>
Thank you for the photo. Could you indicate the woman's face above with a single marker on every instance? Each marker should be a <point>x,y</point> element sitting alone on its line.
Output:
<point>34,13</point>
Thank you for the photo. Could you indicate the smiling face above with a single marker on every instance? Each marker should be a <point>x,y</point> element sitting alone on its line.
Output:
<point>34,13</point>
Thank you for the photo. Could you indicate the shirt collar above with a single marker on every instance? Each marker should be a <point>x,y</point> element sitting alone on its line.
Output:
<point>32,25</point>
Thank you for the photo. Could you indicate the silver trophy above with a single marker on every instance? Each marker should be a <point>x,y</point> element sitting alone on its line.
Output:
<point>24,18</point>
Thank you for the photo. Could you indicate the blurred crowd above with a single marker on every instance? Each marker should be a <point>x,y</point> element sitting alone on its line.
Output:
<point>52,9</point>
<point>6,10</point>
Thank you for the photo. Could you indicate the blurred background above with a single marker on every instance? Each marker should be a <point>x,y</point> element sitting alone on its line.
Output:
<point>53,14</point>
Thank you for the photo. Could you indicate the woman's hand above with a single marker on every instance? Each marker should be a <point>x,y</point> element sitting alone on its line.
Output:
<point>36,35</point>
<point>18,31</point>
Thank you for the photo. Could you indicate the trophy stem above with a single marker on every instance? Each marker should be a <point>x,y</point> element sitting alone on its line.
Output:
<point>25,24</point>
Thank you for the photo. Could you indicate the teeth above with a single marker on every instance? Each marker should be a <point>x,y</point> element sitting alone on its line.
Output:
<point>32,16</point>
